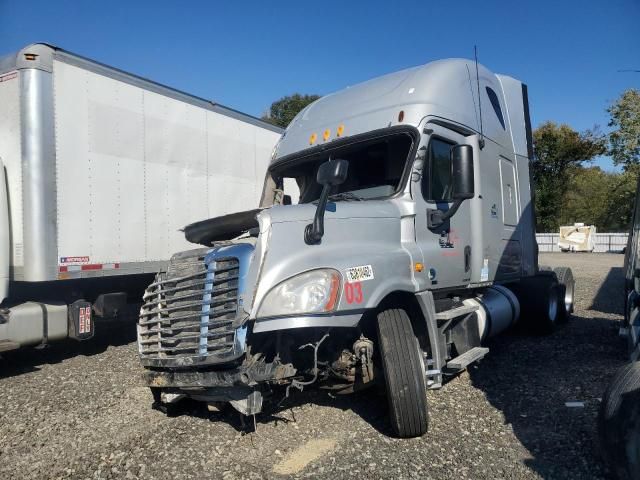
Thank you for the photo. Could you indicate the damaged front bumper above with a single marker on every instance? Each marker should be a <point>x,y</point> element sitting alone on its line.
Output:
<point>240,386</point>
<point>246,375</point>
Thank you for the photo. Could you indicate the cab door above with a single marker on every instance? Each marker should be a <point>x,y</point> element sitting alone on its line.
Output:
<point>446,248</point>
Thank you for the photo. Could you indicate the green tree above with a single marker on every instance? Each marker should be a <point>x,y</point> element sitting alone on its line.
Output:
<point>282,111</point>
<point>586,198</point>
<point>596,197</point>
<point>624,140</point>
<point>558,150</point>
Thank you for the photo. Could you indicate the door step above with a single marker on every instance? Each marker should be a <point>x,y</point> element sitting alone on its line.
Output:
<point>456,312</point>
<point>467,358</point>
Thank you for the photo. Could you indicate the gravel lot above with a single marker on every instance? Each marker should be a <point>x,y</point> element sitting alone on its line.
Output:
<point>79,411</point>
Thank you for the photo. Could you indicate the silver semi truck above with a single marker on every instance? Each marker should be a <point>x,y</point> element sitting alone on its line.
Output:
<point>395,235</point>
<point>99,171</point>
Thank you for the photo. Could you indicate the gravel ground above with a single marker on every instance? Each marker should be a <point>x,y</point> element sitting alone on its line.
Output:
<point>79,411</point>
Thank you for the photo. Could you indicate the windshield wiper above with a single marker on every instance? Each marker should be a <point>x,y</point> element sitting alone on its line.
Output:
<point>345,196</point>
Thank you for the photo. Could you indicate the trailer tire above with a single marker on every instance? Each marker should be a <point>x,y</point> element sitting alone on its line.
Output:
<point>619,422</point>
<point>404,374</point>
<point>567,290</point>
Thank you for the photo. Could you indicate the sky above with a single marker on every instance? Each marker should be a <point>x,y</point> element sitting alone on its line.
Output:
<point>246,54</point>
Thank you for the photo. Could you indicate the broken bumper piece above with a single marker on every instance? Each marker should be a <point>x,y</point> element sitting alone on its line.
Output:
<point>238,386</point>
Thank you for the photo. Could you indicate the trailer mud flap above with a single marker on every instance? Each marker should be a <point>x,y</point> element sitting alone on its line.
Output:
<point>81,325</point>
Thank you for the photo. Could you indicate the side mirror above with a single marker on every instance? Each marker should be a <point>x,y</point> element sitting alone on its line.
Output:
<point>462,185</point>
<point>462,174</point>
<point>332,172</point>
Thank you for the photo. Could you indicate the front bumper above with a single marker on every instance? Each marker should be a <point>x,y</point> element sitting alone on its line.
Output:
<point>249,374</point>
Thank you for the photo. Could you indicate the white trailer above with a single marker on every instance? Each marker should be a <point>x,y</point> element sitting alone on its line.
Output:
<point>100,170</point>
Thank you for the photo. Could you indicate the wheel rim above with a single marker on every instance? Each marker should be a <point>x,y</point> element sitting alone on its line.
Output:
<point>568,297</point>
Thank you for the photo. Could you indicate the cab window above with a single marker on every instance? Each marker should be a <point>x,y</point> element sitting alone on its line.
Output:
<point>436,180</point>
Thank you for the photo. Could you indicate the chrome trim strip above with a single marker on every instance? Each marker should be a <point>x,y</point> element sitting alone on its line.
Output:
<point>206,307</point>
<point>338,321</point>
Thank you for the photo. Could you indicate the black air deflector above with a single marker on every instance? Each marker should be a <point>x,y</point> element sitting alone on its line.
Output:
<point>226,227</point>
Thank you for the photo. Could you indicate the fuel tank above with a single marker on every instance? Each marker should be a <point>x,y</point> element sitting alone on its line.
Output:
<point>498,309</point>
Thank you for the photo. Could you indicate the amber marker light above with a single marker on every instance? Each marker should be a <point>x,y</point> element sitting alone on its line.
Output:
<point>418,267</point>
<point>313,138</point>
<point>326,134</point>
<point>30,56</point>
<point>333,294</point>
<point>401,116</point>
<point>340,130</point>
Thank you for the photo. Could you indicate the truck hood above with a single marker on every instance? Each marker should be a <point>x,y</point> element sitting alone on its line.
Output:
<point>334,211</point>
<point>355,234</point>
<point>230,226</point>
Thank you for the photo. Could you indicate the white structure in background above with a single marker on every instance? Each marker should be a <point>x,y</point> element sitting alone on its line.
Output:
<point>577,238</point>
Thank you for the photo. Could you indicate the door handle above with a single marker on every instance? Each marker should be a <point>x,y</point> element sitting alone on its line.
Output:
<point>467,258</point>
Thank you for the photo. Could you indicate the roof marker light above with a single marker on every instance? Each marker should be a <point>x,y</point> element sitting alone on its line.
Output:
<point>313,138</point>
<point>401,116</point>
<point>326,134</point>
<point>340,130</point>
<point>30,56</point>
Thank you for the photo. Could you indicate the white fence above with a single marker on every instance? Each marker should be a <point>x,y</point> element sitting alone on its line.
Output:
<point>605,242</point>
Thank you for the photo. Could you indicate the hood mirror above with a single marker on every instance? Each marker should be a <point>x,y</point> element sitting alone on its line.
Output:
<point>330,174</point>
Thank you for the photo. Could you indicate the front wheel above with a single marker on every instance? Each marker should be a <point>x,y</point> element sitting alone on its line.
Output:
<point>404,374</point>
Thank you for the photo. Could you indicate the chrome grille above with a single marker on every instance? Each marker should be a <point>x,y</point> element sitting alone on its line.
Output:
<point>188,312</point>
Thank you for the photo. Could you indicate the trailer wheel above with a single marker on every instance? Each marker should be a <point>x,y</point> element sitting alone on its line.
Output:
<point>404,373</point>
<point>567,289</point>
<point>619,422</point>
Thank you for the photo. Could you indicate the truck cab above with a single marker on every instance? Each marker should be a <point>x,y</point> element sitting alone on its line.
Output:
<point>395,234</point>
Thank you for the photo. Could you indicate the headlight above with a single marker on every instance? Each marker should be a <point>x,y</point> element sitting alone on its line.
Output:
<point>310,292</point>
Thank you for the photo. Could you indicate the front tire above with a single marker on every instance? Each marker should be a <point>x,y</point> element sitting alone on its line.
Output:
<point>404,374</point>
<point>619,422</point>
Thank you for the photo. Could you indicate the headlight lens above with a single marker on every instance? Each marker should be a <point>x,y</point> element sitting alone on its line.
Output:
<point>310,292</point>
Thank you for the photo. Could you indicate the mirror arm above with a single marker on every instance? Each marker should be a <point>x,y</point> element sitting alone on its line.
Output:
<point>314,231</point>
<point>436,217</point>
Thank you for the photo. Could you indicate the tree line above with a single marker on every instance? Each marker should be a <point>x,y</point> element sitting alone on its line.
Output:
<point>568,187</point>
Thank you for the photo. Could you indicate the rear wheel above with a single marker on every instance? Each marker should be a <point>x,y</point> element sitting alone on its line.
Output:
<point>404,373</point>
<point>540,302</point>
<point>567,289</point>
<point>619,422</point>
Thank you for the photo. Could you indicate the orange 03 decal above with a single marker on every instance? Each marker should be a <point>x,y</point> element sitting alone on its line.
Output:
<point>353,292</point>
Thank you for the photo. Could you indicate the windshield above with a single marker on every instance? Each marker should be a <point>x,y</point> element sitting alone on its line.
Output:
<point>375,171</point>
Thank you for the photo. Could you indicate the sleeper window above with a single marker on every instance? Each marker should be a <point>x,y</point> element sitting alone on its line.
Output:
<point>436,181</point>
<point>495,103</point>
